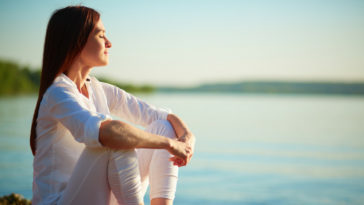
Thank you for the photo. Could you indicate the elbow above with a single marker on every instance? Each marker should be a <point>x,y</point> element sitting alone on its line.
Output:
<point>105,132</point>
<point>108,133</point>
<point>111,135</point>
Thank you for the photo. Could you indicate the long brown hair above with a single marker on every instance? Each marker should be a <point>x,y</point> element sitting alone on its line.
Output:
<point>67,33</point>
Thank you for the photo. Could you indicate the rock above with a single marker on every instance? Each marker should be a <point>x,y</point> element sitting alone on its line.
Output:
<point>14,199</point>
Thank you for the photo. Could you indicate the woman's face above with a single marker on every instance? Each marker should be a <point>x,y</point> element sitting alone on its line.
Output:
<point>95,52</point>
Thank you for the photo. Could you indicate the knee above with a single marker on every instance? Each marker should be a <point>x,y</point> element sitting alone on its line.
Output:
<point>161,127</point>
<point>162,123</point>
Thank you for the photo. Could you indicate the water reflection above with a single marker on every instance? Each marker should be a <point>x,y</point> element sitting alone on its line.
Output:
<point>251,149</point>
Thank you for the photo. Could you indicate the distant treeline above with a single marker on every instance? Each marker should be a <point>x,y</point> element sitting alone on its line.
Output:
<point>276,88</point>
<point>16,79</point>
<point>129,87</point>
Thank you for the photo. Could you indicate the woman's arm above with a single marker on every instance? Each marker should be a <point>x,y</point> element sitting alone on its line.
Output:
<point>183,135</point>
<point>119,135</point>
<point>129,107</point>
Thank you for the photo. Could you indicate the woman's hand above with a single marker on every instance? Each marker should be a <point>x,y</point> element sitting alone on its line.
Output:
<point>190,140</point>
<point>181,152</point>
<point>183,135</point>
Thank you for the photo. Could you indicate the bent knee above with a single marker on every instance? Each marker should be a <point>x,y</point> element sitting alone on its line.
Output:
<point>161,123</point>
<point>161,127</point>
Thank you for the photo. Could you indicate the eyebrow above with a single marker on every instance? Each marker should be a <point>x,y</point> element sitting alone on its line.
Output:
<point>100,30</point>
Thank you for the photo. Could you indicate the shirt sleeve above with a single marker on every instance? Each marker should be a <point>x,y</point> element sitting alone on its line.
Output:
<point>83,124</point>
<point>131,108</point>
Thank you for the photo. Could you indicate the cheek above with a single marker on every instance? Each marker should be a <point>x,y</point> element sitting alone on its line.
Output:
<point>98,49</point>
<point>93,50</point>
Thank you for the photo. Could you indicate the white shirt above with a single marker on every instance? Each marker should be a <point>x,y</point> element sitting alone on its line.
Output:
<point>68,121</point>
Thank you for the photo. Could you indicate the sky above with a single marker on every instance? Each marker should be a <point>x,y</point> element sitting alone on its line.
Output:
<point>190,42</point>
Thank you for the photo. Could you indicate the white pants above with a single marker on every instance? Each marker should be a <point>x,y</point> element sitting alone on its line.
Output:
<point>103,175</point>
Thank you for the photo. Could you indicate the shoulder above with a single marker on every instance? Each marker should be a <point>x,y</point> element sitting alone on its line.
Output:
<point>107,87</point>
<point>61,89</point>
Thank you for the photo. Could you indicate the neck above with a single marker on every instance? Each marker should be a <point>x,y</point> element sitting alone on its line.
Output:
<point>78,73</point>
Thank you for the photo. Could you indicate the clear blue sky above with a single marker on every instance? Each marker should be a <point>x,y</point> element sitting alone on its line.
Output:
<point>194,41</point>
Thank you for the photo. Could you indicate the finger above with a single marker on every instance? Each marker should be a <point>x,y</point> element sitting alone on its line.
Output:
<point>182,163</point>
<point>176,161</point>
<point>182,139</point>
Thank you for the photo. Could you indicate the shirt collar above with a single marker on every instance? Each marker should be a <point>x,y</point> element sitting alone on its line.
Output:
<point>63,77</point>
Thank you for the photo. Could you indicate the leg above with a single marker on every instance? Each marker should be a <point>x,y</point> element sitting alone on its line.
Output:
<point>100,171</point>
<point>124,177</point>
<point>154,165</point>
<point>88,184</point>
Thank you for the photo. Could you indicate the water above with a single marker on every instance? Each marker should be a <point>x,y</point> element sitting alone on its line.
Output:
<point>251,149</point>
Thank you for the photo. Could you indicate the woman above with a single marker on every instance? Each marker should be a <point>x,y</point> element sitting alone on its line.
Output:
<point>81,155</point>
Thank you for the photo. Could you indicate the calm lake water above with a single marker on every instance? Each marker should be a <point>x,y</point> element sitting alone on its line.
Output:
<point>251,149</point>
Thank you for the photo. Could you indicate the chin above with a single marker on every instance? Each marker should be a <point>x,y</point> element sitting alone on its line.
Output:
<point>103,63</point>
<point>106,61</point>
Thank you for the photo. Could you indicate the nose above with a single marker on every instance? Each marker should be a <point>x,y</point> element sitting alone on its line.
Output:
<point>107,43</point>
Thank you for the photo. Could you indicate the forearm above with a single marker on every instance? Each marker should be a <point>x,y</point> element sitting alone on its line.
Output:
<point>119,135</point>
<point>179,126</point>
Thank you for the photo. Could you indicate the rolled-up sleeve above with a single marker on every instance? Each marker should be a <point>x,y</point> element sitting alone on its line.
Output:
<point>131,108</point>
<point>82,123</point>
